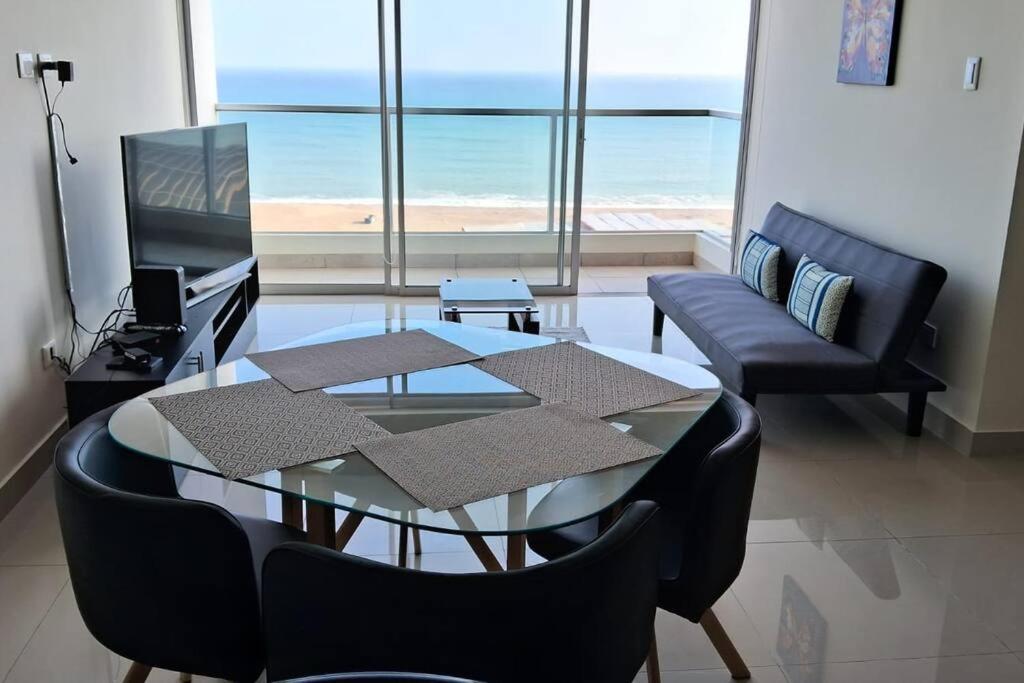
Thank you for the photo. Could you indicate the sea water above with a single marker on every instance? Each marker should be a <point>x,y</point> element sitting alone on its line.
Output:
<point>643,161</point>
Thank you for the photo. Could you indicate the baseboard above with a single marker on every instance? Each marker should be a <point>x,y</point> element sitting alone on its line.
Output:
<point>997,443</point>
<point>28,471</point>
<point>892,409</point>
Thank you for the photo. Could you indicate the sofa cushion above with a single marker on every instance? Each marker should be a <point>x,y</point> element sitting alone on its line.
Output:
<point>816,297</point>
<point>759,266</point>
<point>754,345</point>
<point>894,292</point>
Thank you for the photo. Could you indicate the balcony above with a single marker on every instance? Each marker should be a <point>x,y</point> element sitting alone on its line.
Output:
<point>317,169</point>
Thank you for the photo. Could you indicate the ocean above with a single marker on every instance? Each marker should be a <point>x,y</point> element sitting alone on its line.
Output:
<point>462,160</point>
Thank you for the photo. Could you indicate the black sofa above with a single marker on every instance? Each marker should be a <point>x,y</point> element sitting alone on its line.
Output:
<point>756,347</point>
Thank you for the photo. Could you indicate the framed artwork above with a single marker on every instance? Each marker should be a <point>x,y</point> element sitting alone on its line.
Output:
<point>867,47</point>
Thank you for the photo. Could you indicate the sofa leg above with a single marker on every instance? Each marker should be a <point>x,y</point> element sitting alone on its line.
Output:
<point>659,321</point>
<point>915,412</point>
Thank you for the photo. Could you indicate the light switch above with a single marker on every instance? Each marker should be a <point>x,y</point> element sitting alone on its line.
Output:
<point>26,65</point>
<point>971,73</point>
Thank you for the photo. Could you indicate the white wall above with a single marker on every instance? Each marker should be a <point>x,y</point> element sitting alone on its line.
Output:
<point>924,166</point>
<point>128,78</point>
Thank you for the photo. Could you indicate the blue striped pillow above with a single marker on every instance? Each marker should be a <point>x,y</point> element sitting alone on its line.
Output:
<point>759,266</point>
<point>816,297</point>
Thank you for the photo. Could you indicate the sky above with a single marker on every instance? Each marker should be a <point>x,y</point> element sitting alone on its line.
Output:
<point>662,37</point>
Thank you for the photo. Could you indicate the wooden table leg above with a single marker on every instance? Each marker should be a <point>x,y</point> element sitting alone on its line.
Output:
<point>517,518</point>
<point>320,524</point>
<point>291,511</point>
<point>347,530</point>
<point>476,541</point>
<point>483,553</point>
<point>516,552</point>
<point>403,546</point>
<point>417,545</point>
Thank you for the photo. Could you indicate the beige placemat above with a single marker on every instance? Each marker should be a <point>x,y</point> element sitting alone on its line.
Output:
<point>444,467</point>
<point>250,428</point>
<point>586,380</point>
<point>353,360</point>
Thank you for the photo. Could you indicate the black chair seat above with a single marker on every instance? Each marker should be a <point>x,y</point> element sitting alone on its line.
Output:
<point>588,616</point>
<point>264,535</point>
<point>167,582</point>
<point>704,485</point>
<point>566,540</point>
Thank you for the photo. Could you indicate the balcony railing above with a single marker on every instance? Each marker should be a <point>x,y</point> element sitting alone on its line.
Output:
<point>553,116</point>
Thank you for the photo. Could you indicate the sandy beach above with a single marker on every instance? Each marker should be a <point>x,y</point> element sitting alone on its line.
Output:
<point>326,217</point>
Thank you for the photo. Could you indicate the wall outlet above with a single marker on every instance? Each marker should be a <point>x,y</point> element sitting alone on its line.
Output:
<point>49,350</point>
<point>40,58</point>
<point>26,65</point>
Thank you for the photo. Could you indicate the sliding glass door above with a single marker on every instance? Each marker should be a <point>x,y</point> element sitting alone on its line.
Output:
<point>394,143</point>
<point>483,106</point>
<point>315,132</point>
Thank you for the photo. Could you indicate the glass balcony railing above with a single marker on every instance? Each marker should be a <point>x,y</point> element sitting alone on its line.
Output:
<point>317,168</point>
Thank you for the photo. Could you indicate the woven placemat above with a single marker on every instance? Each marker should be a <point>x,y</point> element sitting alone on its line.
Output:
<point>586,380</point>
<point>353,360</point>
<point>455,464</point>
<point>251,428</point>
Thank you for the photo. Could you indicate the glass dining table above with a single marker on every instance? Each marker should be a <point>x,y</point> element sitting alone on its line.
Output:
<point>313,493</point>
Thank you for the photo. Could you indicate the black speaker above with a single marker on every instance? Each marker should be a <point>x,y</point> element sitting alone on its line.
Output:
<point>159,294</point>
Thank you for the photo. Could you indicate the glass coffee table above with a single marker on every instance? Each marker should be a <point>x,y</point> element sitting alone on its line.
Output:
<point>468,296</point>
<point>418,400</point>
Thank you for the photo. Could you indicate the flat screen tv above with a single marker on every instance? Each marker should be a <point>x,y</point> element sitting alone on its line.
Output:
<point>187,198</point>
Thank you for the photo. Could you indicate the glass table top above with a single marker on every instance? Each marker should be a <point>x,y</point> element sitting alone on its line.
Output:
<point>486,295</point>
<point>427,398</point>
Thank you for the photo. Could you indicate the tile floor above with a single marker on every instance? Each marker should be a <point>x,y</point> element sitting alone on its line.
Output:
<point>871,556</point>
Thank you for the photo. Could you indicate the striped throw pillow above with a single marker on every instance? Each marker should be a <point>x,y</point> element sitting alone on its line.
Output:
<point>817,297</point>
<point>759,266</point>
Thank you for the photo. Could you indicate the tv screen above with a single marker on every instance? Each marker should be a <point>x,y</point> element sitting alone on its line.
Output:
<point>187,197</point>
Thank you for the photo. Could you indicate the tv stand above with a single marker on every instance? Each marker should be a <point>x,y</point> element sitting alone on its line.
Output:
<point>220,330</point>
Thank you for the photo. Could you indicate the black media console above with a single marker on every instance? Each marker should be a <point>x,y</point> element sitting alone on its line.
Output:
<point>220,330</point>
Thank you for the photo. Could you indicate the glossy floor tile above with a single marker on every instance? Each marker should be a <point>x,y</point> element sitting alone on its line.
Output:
<point>26,595</point>
<point>854,600</point>
<point>985,572</point>
<point>967,669</point>
<point>802,501</point>
<point>758,674</point>
<point>871,556</point>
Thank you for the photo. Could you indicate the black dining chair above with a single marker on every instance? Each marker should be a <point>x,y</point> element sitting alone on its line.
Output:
<point>588,616</point>
<point>704,486</point>
<point>166,582</point>
<point>379,677</point>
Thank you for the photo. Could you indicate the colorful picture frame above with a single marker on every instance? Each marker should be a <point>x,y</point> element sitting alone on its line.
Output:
<point>867,43</point>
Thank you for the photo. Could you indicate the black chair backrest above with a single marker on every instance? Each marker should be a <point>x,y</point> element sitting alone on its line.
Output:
<point>379,677</point>
<point>705,487</point>
<point>586,617</point>
<point>892,292</point>
<point>158,579</point>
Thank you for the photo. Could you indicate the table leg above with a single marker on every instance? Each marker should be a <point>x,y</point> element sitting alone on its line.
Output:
<point>417,546</point>
<point>483,553</point>
<point>516,552</point>
<point>320,524</point>
<point>516,544</point>
<point>291,511</point>
<point>403,546</point>
<point>347,530</point>
<point>524,322</point>
<point>476,541</point>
